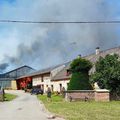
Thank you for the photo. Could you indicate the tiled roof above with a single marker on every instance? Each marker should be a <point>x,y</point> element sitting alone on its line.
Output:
<point>39,72</point>
<point>62,74</point>
<point>43,71</point>
<point>20,68</point>
<point>93,58</point>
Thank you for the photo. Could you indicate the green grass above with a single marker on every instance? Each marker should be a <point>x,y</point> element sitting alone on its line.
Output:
<point>9,97</point>
<point>83,110</point>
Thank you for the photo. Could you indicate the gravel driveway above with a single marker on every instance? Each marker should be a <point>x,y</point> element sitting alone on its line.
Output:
<point>24,107</point>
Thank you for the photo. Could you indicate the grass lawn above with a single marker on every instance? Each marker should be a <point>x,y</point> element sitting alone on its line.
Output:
<point>83,110</point>
<point>9,97</point>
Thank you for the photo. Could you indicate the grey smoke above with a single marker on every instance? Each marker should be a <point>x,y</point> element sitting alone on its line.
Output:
<point>3,67</point>
<point>46,45</point>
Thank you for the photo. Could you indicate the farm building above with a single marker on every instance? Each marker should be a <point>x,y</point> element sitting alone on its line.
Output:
<point>43,77</point>
<point>7,80</point>
<point>62,78</point>
<point>58,77</point>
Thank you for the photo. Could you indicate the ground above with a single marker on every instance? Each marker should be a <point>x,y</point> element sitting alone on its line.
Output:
<point>83,110</point>
<point>24,107</point>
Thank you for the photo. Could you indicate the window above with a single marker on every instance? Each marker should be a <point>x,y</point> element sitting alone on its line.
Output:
<point>42,79</point>
<point>52,88</point>
<point>67,72</point>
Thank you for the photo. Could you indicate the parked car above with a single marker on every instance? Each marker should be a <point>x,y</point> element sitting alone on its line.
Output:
<point>36,91</point>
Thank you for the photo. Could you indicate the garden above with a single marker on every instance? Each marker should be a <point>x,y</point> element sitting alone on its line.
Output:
<point>82,110</point>
<point>106,76</point>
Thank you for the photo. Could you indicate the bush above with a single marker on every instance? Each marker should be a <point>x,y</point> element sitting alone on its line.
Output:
<point>80,65</point>
<point>79,81</point>
<point>80,78</point>
<point>107,74</point>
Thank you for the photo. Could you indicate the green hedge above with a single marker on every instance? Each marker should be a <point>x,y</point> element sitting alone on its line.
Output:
<point>79,81</point>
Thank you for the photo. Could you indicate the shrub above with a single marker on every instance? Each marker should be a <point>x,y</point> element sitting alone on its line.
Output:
<point>107,74</point>
<point>80,78</point>
<point>79,81</point>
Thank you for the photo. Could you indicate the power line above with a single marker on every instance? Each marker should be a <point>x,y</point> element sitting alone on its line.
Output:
<point>59,22</point>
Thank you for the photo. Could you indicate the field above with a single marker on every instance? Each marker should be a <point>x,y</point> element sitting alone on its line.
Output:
<point>82,110</point>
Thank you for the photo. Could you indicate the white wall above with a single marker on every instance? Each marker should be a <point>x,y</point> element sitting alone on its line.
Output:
<point>47,80</point>
<point>47,83</point>
<point>56,84</point>
<point>37,81</point>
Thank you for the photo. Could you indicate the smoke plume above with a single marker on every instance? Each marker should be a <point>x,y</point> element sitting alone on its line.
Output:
<point>3,67</point>
<point>44,45</point>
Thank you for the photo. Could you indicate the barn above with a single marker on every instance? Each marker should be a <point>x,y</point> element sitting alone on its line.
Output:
<point>41,78</point>
<point>8,80</point>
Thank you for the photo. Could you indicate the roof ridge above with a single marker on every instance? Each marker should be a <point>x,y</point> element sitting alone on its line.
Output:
<point>101,51</point>
<point>18,68</point>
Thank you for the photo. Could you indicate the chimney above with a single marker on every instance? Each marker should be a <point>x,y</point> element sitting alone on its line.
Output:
<point>97,50</point>
<point>79,56</point>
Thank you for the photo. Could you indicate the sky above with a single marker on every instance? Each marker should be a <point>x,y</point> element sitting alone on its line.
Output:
<point>45,45</point>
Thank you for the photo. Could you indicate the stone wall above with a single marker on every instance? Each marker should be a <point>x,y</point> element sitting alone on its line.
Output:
<point>87,95</point>
<point>102,95</point>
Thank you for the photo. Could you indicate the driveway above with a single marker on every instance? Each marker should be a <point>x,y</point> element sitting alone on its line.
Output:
<point>24,107</point>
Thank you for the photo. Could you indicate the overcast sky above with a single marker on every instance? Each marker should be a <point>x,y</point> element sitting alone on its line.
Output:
<point>44,45</point>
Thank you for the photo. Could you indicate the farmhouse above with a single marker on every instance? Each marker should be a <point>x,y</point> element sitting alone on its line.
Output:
<point>63,77</point>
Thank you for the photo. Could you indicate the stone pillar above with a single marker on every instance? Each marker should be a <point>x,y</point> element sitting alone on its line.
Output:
<point>102,95</point>
<point>2,95</point>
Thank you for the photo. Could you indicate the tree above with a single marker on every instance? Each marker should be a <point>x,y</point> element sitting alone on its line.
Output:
<point>80,78</point>
<point>107,74</point>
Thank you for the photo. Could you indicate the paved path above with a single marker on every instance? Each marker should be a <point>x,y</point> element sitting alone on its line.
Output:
<point>24,107</point>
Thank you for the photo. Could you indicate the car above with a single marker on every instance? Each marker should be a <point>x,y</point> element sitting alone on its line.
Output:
<point>36,91</point>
